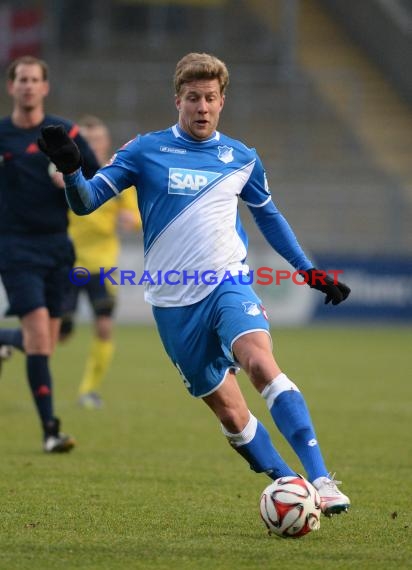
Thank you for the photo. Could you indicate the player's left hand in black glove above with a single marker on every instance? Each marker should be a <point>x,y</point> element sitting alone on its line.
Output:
<point>60,148</point>
<point>334,290</point>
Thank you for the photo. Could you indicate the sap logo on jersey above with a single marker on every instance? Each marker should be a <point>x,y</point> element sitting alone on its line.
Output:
<point>189,182</point>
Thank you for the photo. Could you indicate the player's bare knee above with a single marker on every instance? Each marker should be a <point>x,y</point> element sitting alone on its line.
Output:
<point>37,343</point>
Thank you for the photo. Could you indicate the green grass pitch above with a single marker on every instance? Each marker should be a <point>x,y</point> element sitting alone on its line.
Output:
<point>154,485</point>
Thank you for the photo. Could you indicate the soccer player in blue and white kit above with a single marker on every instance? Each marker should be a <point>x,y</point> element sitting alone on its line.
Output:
<point>189,179</point>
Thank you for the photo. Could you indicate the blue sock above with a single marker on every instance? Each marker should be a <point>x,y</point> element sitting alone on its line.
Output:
<point>12,337</point>
<point>291,416</point>
<point>40,382</point>
<point>254,445</point>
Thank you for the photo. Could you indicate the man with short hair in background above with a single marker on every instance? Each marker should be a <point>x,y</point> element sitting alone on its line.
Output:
<point>36,251</point>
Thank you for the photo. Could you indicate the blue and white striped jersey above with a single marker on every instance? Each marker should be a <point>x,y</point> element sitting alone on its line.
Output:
<point>188,194</point>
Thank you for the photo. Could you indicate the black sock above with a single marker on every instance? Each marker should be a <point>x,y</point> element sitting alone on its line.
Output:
<point>12,337</point>
<point>38,373</point>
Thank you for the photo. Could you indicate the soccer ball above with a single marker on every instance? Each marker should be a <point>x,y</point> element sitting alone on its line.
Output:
<point>290,507</point>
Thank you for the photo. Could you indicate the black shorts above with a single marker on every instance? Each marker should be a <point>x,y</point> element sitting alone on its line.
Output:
<point>101,299</point>
<point>34,270</point>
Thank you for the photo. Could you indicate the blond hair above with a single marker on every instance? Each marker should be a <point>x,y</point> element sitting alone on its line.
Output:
<point>194,66</point>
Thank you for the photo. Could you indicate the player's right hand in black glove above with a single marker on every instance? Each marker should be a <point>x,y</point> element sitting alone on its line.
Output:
<point>60,148</point>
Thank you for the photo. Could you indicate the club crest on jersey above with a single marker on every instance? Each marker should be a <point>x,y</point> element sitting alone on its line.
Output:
<point>189,182</point>
<point>225,154</point>
<point>251,308</point>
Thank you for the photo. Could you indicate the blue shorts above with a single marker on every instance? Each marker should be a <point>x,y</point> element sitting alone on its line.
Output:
<point>34,271</point>
<point>198,338</point>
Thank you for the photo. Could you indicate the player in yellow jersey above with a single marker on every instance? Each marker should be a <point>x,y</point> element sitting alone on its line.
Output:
<point>97,245</point>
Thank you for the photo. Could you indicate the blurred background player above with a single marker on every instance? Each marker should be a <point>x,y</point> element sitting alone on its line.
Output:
<point>36,251</point>
<point>97,244</point>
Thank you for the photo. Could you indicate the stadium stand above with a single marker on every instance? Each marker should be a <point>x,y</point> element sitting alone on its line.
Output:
<point>333,133</point>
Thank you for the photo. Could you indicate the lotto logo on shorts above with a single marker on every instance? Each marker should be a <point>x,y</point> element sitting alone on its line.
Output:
<point>189,182</point>
<point>251,308</point>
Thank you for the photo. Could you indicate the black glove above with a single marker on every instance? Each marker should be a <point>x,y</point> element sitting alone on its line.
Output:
<point>60,148</point>
<point>334,290</point>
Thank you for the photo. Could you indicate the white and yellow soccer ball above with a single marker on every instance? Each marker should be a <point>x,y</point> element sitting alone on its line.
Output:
<point>290,507</point>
